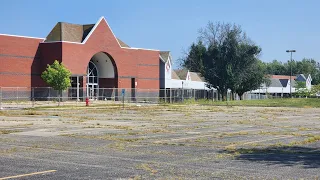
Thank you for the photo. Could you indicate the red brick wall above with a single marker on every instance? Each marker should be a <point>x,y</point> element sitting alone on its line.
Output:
<point>19,58</point>
<point>140,64</point>
<point>143,65</point>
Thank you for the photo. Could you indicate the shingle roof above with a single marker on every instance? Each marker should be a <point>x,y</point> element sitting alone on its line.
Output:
<point>281,83</point>
<point>282,77</point>
<point>72,32</point>
<point>182,73</point>
<point>196,77</point>
<point>122,44</point>
<point>275,83</point>
<point>301,77</point>
<point>174,75</point>
<point>165,55</point>
<point>284,82</point>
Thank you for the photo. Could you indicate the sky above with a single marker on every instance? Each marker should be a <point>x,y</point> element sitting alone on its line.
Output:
<point>172,25</point>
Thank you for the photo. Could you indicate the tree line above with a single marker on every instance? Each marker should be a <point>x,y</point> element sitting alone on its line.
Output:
<point>305,66</point>
<point>229,60</point>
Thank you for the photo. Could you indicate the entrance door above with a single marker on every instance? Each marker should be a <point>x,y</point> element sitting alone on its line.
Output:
<point>92,91</point>
<point>133,89</point>
<point>92,81</point>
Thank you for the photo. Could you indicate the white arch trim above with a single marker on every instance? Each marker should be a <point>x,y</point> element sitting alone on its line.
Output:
<point>104,65</point>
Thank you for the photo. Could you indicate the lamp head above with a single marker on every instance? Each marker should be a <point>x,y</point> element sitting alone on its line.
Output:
<point>290,51</point>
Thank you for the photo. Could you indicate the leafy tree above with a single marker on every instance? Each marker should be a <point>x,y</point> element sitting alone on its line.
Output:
<point>253,80</point>
<point>194,59</point>
<point>315,90</point>
<point>57,76</point>
<point>305,66</point>
<point>229,58</point>
<point>301,90</point>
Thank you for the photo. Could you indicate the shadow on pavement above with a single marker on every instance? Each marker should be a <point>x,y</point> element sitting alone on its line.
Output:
<point>286,155</point>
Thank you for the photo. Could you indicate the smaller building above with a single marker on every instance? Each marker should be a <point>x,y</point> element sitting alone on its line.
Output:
<point>181,82</point>
<point>282,86</point>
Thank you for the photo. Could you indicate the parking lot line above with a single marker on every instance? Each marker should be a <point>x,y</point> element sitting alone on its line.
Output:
<point>30,174</point>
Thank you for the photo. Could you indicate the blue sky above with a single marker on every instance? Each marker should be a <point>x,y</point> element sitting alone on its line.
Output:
<point>275,25</point>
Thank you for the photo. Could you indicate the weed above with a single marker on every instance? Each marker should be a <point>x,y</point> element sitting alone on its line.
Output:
<point>8,151</point>
<point>5,131</point>
<point>147,168</point>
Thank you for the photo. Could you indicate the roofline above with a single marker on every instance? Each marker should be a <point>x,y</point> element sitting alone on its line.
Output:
<point>91,32</point>
<point>161,58</point>
<point>61,42</point>
<point>21,36</point>
<point>140,48</point>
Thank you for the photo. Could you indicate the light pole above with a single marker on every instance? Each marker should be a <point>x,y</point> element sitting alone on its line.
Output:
<point>290,51</point>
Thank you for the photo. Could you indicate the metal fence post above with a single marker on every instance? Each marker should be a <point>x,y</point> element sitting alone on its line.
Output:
<point>17,95</point>
<point>32,94</point>
<point>49,94</point>
<point>1,98</point>
<point>170,95</point>
<point>78,89</point>
<point>165,95</point>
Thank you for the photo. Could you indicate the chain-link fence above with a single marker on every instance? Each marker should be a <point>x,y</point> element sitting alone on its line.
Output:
<point>45,96</point>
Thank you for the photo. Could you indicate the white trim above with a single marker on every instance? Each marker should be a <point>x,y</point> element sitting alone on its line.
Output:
<point>20,36</point>
<point>161,58</point>
<point>139,48</point>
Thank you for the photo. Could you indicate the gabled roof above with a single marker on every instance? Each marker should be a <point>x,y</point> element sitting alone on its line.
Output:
<point>301,77</point>
<point>284,82</point>
<point>281,83</point>
<point>165,55</point>
<point>182,73</point>
<point>122,44</point>
<point>275,83</point>
<point>174,75</point>
<point>73,33</point>
<point>196,77</point>
<point>282,77</point>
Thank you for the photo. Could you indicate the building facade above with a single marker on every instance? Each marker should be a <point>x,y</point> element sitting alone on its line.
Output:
<point>93,54</point>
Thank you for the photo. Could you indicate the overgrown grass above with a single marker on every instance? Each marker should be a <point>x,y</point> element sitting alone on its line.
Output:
<point>285,102</point>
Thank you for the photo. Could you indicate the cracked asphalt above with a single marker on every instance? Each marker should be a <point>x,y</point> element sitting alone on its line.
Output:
<point>160,142</point>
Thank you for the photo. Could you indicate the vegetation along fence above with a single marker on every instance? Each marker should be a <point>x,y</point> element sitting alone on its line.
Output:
<point>47,95</point>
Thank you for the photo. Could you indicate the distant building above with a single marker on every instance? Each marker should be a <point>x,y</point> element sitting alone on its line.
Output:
<point>180,78</point>
<point>173,81</point>
<point>280,85</point>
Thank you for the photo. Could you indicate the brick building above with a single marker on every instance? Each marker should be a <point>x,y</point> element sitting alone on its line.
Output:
<point>94,55</point>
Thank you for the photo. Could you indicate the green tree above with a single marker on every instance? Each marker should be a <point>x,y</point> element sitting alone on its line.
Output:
<point>229,58</point>
<point>301,90</point>
<point>194,59</point>
<point>305,66</point>
<point>253,80</point>
<point>315,90</point>
<point>57,76</point>
<point>275,67</point>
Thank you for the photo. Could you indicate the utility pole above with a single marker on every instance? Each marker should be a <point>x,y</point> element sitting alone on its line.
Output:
<point>290,51</point>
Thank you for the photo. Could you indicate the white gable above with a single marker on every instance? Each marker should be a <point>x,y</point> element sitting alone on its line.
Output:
<point>308,82</point>
<point>188,78</point>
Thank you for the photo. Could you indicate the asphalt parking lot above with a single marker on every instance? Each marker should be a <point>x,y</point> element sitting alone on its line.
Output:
<point>160,142</point>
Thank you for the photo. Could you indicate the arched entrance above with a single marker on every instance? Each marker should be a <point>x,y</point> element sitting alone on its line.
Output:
<point>92,80</point>
<point>102,76</point>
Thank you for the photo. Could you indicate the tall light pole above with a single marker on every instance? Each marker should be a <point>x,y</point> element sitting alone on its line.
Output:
<point>290,51</point>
